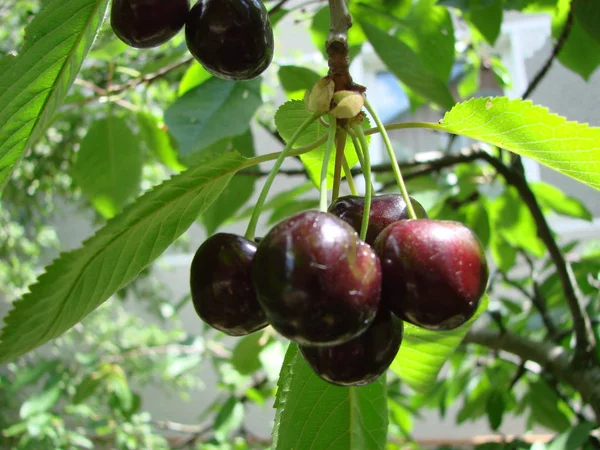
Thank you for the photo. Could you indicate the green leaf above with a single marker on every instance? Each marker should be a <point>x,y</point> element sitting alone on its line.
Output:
<point>528,130</point>
<point>40,402</point>
<point>403,62</point>
<point>229,419</point>
<point>312,413</point>
<point>109,165</point>
<point>214,110</point>
<point>296,80</point>
<point>495,407</point>
<point>428,30</point>
<point>288,118</point>
<point>35,83</point>
<point>32,374</point>
<point>423,352</point>
<point>487,19</point>
<point>546,408</point>
<point>194,76</point>
<point>156,139</point>
<point>289,209</point>
<point>279,200</point>
<point>553,198</point>
<point>580,52</point>
<point>237,192</point>
<point>572,438</point>
<point>87,388</point>
<point>512,219</point>
<point>80,281</point>
<point>587,13</point>
<point>245,355</point>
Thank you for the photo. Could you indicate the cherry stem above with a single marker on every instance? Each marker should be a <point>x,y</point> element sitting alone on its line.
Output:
<point>251,230</point>
<point>356,144</point>
<point>393,160</point>
<point>325,166</point>
<point>340,146</point>
<point>349,178</point>
<point>366,167</point>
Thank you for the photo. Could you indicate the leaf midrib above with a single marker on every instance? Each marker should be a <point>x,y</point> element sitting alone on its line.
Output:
<point>54,84</point>
<point>111,242</point>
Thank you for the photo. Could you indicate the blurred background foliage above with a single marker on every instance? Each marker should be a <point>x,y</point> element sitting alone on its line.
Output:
<point>84,390</point>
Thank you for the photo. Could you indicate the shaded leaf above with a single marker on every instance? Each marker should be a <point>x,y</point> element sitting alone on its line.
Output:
<point>587,13</point>
<point>229,418</point>
<point>312,413</point>
<point>34,84</point>
<point>245,355</point>
<point>214,110</point>
<point>156,139</point>
<point>296,80</point>
<point>580,52</point>
<point>572,438</point>
<point>79,281</point>
<point>487,19</point>
<point>423,352</point>
<point>553,198</point>
<point>288,118</point>
<point>40,402</point>
<point>238,191</point>
<point>109,165</point>
<point>403,62</point>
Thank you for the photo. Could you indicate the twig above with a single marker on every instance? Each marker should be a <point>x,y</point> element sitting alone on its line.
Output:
<point>555,359</point>
<point>168,349</point>
<point>585,339</point>
<point>337,46</point>
<point>555,51</point>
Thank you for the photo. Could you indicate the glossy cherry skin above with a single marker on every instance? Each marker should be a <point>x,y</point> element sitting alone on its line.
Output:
<point>221,285</point>
<point>318,283</point>
<point>232,39</point>
<point>361,360</point>
<point>434,272</point>
<point>385,210</point>
<point>148,23</point>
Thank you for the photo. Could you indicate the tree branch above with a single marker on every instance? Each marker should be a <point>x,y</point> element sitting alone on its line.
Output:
<point>555,51</point>
<point>337,47</point>
<point>554,359</point>
<point>585,339</point>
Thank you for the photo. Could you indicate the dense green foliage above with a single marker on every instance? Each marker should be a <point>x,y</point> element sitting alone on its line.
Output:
<point>142,144</point>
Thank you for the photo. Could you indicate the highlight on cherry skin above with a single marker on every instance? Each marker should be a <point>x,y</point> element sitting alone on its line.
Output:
<point>361,360</point>
<point>148,23</point>
<point>317,282</point>
<point>221,285</point>
<point>434,272</point>
<point>385,210</point>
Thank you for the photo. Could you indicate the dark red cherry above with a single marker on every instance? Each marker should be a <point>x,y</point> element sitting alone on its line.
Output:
<point>221,284</point>
<point>318,283</point>
<point>148,23</point>
<point>361,360</point>
<point>385,209</point>
<point>232,39</point>
<point>434,272</point>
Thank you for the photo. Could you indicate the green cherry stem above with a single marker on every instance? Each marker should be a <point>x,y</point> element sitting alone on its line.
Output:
<point>394,162</point>
<point>325,166</point>
<point>357,150</point>
<point>340,146</point>
<point>251,230</point>
<point>349,178</point>
<point>366,167</point>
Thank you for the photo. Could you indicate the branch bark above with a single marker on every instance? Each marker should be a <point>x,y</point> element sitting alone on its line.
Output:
<point>554,359</point>
<point>584,334</point>
<point>337,47</point>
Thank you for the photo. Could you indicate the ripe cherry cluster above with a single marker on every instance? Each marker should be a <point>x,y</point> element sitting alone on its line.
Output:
<point>232,39</point>
<point>339,298</point>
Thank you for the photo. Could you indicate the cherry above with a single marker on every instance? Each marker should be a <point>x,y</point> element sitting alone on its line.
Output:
<point>221,284</point>
<point>318,283</point>
<point>148,23</point>
<point>232,39</point>
<point>385,209</point>
<point>361,360</point>
<point>434,272</point>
